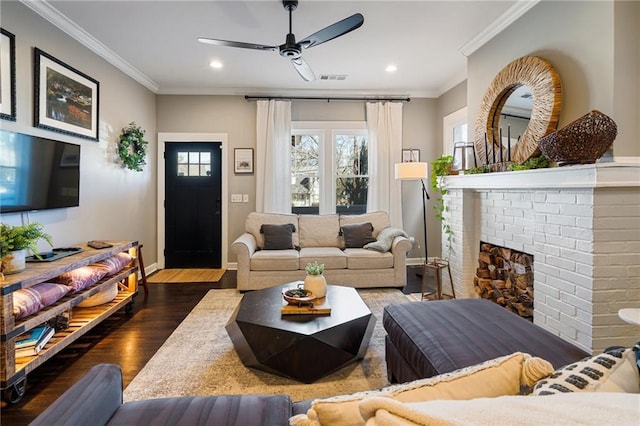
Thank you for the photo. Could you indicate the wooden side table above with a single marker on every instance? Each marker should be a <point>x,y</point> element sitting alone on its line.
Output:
<point>436,265</point>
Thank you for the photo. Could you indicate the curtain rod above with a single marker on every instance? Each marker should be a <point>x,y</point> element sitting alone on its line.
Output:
<point>328,99</point>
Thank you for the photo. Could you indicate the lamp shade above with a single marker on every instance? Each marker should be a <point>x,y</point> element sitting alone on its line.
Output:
<point>411,170</point>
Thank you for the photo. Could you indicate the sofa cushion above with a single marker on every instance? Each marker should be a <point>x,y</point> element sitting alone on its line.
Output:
<point>255,221</point>
<point>275,260</point>
<point>379,220</point>
<point>319,230</point>
<point>356,235</point>
<point>359,258</point>
<point>613,371</point>
<point>497,377</point>
<point>385,238</point>
<point>206,410</point>
<point>332,257</point>
<point>278,237</point>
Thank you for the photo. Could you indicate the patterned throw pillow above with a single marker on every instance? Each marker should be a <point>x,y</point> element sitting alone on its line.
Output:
<point>612,371</point>
<point>27,301</point>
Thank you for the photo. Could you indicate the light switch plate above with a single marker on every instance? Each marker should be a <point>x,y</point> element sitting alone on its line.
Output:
<point>245,198</point>
<point>236,198</point>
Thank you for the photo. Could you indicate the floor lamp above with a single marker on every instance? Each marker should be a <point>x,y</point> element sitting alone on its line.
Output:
<point>415,170</point>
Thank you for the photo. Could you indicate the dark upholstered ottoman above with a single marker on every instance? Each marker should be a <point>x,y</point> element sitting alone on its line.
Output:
<point>428,338</point>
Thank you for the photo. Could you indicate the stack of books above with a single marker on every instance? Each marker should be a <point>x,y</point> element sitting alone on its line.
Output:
<point>32,342</point>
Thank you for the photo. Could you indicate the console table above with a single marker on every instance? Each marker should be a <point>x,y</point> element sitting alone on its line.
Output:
<point>13,372</point>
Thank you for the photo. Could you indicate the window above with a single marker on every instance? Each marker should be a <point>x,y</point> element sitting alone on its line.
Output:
<point>194,163</point>
<point>329,167</point>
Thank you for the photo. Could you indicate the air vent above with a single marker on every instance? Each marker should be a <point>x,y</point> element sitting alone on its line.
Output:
<point>332,77</point>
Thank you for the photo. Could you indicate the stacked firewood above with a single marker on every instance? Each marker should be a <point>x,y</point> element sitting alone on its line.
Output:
<point>505,276</point>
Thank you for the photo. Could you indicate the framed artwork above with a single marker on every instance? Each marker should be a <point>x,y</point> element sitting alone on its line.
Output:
<point>7,75</point>
<point>66,100</point>
<point>410,155</point>
<point>243,160</point>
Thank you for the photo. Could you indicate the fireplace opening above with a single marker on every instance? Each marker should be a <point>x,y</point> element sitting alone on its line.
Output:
<point>505,276</point>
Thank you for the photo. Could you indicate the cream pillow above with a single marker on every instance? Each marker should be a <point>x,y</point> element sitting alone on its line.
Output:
<point>497,377</point>
<point>613,371</point>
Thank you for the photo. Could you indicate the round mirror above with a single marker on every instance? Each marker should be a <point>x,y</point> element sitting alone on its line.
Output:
<point>521,105</point>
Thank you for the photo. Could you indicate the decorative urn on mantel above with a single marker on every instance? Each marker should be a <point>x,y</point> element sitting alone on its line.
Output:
<point>315,281</point>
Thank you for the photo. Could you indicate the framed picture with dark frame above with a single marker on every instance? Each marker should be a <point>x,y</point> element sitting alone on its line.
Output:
<point>7,75</point>
<point>410,155</point>
<point>243,160</point>
<point>66,100</point>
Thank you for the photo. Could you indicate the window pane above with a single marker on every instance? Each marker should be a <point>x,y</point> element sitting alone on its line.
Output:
<point>182,157</point>
<point>205,158</point>
<point>351,195</point>
<point>205,170</point>
<point>305,171</point>
<point>194,157</point>
<point>183,170</point>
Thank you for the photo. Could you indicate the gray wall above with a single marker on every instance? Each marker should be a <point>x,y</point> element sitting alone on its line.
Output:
<point>115,203</point>
<point>597,65</point>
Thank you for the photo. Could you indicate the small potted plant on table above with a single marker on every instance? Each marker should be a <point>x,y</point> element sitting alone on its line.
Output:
<point>315,281</point>
<point>15,241</point>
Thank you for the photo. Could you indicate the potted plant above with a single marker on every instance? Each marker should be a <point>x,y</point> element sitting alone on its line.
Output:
<point>440,167</point>
<point>315,281</point>
<point>15,241</point>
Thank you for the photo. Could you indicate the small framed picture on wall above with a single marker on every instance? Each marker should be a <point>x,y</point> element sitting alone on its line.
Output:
<point>7,75</point>
<point>243,160</point>
<point>410,155</point>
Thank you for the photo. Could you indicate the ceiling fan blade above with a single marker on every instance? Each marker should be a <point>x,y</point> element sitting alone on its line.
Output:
<point>303,69</point>
<point>332,31</point>
<point>236,44</point>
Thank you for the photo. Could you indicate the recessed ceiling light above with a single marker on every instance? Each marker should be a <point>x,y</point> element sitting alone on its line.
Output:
<point>391,68</point>
<point>215,64</point>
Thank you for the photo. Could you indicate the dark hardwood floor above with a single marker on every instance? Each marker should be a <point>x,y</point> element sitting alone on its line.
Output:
<point>127,340</point>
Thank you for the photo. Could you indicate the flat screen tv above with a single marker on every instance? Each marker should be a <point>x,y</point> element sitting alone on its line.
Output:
<point>37,173</point>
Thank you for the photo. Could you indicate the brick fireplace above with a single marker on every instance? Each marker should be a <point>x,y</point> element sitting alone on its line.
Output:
<point>582,226</point>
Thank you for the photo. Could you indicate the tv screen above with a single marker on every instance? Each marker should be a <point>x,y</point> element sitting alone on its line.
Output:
<point>37,173</point>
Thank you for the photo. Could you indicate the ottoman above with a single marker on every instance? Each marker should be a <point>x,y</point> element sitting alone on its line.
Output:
<point>428,338</point>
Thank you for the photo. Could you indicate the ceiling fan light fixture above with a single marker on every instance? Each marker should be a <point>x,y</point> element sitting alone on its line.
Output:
<point>391,68</point>
<point>215,64</point>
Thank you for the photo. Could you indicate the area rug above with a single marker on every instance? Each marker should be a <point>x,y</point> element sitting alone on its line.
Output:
<point>199,358</point>
<point>186,276</point>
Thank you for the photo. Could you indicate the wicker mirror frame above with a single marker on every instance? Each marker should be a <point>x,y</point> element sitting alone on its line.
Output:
<point>546,90</point>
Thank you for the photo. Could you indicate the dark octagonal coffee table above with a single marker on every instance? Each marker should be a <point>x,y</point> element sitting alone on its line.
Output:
<point>301,347</point>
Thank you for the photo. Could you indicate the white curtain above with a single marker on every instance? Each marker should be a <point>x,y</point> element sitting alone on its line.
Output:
<point>273,157</point>
<point>384,123</point>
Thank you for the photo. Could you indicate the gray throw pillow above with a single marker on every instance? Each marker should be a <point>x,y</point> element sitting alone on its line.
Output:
<point>385,239</point>
<point>278,237</point>
<point>357,235</point>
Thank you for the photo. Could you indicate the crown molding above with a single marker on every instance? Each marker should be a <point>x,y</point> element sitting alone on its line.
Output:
<point>51,14</point>
<point>507,18</point>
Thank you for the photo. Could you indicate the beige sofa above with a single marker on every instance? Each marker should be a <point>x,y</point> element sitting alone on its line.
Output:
<point>318,238</point>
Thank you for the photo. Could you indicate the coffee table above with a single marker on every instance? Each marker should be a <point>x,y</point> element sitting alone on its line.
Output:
<point>301,347</point>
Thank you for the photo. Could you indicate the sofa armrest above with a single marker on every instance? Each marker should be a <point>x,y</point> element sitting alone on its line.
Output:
<point>399,249</point>
<point>91,400</point>
<point>243,247</point>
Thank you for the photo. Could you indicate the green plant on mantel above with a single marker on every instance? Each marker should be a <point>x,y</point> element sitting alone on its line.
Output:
<point>541,162</point>
<point>20,237</point>
<point>132,148</point>
<point>440,167</point>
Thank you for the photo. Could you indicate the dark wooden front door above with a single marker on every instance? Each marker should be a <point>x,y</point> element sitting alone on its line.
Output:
<point>193,203</point>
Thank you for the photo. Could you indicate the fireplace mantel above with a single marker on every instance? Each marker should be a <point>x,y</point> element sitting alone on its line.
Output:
<point>582,225</point>
<point>598,175</point>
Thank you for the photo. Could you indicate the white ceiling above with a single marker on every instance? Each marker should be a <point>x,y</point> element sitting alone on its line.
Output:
<point>156,43</point>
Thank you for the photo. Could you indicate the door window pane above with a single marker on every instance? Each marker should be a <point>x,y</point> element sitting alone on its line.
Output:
<point>194,163</point>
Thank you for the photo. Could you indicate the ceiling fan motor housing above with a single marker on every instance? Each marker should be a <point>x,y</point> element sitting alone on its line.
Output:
<point>290,49</point>
<point>290,4</point>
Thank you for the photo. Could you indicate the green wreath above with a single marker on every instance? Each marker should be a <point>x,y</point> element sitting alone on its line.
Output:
<point>132,148</point>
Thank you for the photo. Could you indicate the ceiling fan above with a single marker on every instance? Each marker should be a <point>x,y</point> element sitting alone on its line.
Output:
<point>292,49</point>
